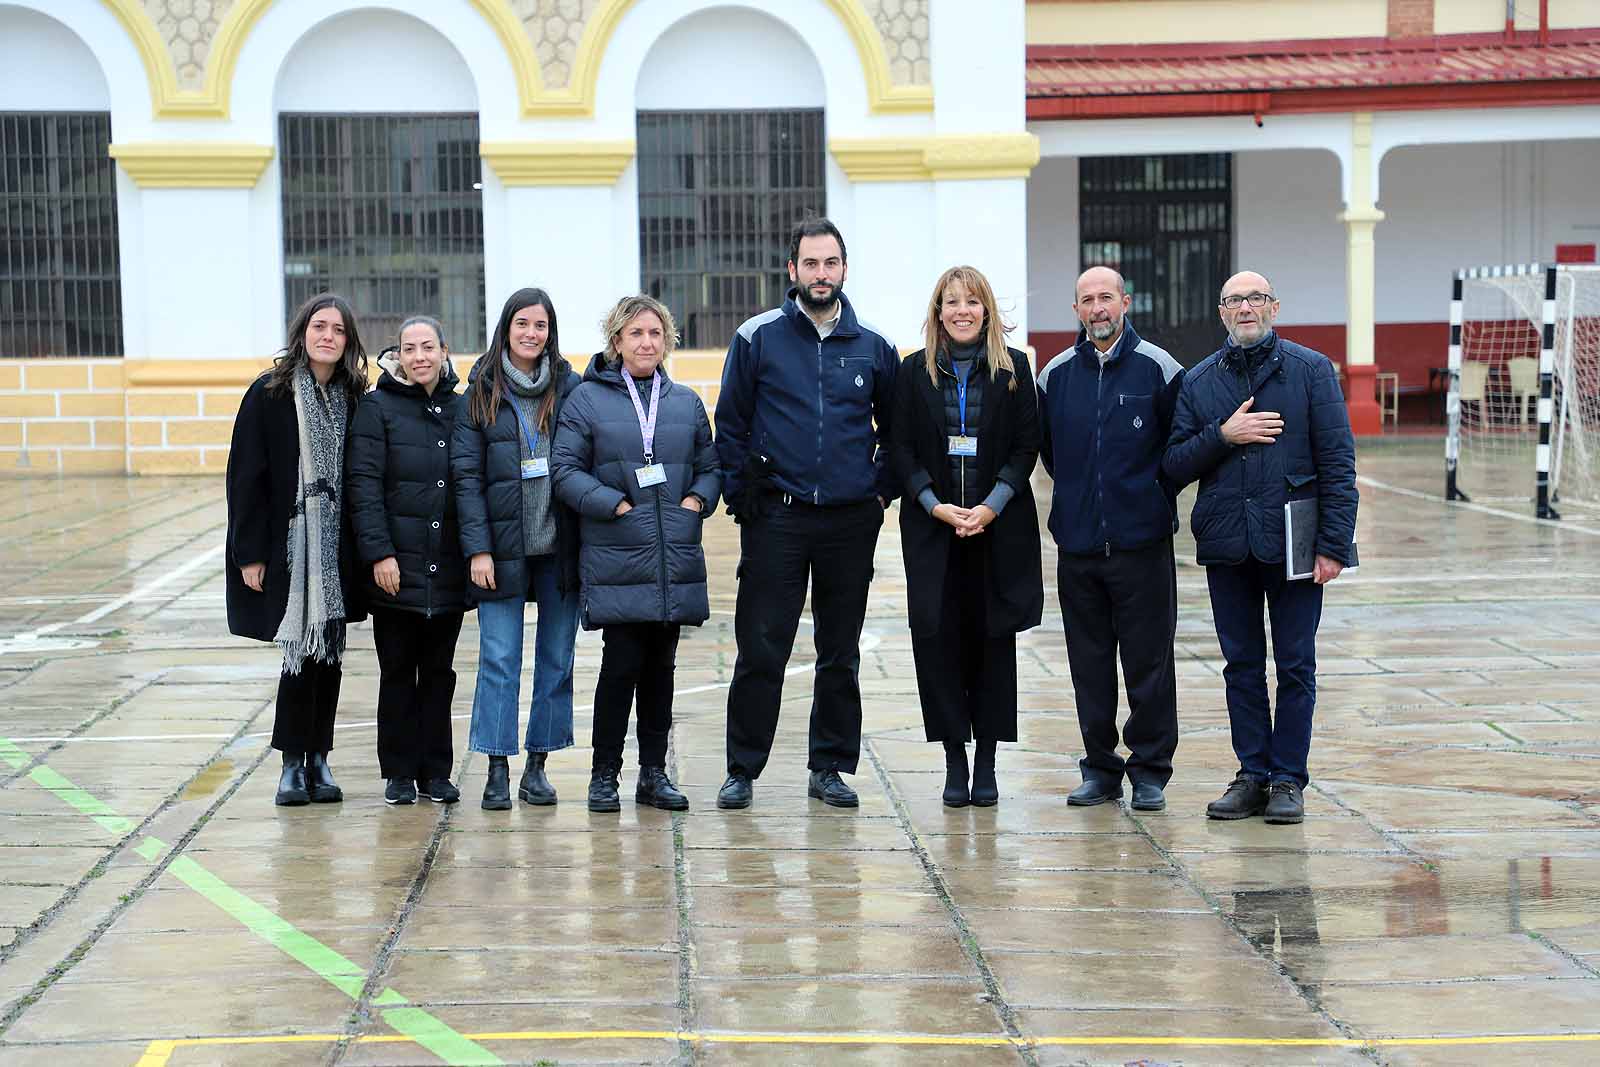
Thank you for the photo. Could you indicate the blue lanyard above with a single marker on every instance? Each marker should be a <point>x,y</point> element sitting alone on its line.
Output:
<point>961,395</point>
<point>533,438</point>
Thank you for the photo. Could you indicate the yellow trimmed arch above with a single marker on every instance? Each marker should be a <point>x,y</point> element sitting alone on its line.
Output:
<point>577,99</point>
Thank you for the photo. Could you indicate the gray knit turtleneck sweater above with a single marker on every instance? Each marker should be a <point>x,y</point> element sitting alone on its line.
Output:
<point>538,521</point>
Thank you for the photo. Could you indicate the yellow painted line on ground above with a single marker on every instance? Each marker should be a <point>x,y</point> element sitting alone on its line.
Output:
<point>159,1053</point>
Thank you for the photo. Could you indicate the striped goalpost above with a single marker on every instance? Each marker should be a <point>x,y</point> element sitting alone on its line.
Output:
<point>1500,317</point>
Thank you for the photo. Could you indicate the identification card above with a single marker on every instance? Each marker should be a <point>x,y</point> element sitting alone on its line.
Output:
<point>536,468</point>
<point>653,474</point>
<point>963,446</point>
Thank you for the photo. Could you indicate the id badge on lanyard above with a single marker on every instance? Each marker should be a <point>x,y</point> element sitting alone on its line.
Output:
<point>960,443</point>
<point>652,473</point>
<point>538,466</point>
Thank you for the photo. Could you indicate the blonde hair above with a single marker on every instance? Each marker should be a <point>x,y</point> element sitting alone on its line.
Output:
<point>995,328</point>
<point>624,312</point>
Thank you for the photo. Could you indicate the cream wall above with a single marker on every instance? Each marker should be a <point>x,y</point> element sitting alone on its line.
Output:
<point>1189,21</point>
<point>1489,16</point>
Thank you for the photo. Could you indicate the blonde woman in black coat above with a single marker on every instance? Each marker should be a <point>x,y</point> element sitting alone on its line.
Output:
<point>404,515</point>
<point>965,438</point>
<point>292,576</point>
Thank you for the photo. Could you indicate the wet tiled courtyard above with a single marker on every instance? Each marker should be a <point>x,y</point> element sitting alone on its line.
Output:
<point>1440,905</point>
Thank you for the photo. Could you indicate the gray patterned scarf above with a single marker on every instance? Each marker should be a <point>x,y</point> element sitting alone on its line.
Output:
<point>313,621</point>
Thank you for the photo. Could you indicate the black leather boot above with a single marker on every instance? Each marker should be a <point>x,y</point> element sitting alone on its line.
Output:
<point>497,790</point>
<point>985,790</point>
<point>657,790</point>
<point>603,786</point>
<point>535,788</point>
<point>319,777</point>
<point>292,790</point>
<point>955,775</point>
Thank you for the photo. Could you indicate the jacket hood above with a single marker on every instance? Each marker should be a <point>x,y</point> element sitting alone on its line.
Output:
<point>394,377</point>
<point>1126,343</point>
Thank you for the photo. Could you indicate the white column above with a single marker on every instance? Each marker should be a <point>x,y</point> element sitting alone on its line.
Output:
<point>1360,215</point>
<point>197,294</point>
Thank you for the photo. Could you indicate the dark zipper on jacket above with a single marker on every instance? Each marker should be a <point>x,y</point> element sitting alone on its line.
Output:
<point>661,555</point>
<point>1099,474</point>
<point>816,490</point>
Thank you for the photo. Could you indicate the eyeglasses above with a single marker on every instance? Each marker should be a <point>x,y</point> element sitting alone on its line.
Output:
<point>1255,300</point>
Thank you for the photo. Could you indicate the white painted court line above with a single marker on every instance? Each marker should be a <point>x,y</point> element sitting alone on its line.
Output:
<point>1554,524</point>
<point>22,641</point>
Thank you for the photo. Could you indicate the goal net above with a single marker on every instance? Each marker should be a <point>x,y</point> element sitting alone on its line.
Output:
<point>1524,400</point>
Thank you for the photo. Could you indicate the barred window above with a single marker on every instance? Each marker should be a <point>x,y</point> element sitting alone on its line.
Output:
<point>387,211</point>
<point>719,193</point>
<point>60,274</point>
<point>1165,222</point>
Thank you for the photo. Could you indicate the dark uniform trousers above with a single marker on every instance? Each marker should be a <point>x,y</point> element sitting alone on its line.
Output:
<point>1124,603</point>
<point>791,545</point>
<point>307,703</point>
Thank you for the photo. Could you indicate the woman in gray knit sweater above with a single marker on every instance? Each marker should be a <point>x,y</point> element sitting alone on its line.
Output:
<point>521,544</point>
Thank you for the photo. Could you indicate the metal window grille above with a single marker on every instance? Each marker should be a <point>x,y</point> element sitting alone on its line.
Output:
<point>719,193</point>
<point>386,210</point>
<point>1165,222</point>
<point>60,275</point>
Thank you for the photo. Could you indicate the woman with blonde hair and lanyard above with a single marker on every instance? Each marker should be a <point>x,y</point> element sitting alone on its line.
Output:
<point>964,439</point>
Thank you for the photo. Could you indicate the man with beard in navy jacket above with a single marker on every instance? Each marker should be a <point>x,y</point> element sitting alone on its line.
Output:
<point>806,395</point>
<point>1105,408</point>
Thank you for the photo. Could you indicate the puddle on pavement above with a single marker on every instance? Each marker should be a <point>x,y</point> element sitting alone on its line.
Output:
<point>209,780</point>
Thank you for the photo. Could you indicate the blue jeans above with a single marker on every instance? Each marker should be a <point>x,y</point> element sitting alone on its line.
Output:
<point>494,704</point>
<point>1269,747</point>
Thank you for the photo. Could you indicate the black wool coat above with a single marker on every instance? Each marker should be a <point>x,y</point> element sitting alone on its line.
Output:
<point>263,476</point>
<point>397,480</point>
<point>486,475</point>
<point>648,565</point>
<point>1008,448</point>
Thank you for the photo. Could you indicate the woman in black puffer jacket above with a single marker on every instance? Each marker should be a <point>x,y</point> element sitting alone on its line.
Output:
<point>634,457</point>
<point>405,522</point>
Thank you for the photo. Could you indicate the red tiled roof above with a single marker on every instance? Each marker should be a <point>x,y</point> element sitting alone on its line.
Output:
<point>1064,73</point>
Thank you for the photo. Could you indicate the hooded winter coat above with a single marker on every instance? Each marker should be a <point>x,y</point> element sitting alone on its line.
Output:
<point>397,480</point>
<point>486,476</point>
<point>648,565</point>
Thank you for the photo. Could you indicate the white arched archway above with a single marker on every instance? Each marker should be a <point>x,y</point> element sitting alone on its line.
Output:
<point>371,60</point>
<point>742,58</point>
<point>47,66</point>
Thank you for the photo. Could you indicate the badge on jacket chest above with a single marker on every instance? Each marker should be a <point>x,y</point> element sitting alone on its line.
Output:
<point>1138,422</point>
<point>860,381</point>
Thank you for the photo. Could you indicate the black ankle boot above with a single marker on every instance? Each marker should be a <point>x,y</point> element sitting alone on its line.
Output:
<point>603,786</point>
<point>292,789</point>
<point>319,779</point>
<point>535,788</point>
<point>497,790</point>
<point>955,775</point>
<point>657,790</point>
<point>985,791</point>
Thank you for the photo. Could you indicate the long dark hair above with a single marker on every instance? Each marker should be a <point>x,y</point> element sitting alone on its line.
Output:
<point>483,407</point>
<point>352,369</point>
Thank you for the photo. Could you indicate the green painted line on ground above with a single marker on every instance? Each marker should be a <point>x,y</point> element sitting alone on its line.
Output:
<point>333,968</point>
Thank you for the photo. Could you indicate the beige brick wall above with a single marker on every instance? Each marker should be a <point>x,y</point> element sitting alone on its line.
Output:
<point>115,416</point>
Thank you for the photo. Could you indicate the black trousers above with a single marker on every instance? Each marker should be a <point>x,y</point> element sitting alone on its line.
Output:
<point>782,551</point>
<point>638,658</point>
<point>966,677</point>
<point>307,702</point>
<point>1123,604</point>
<point>415,687</point>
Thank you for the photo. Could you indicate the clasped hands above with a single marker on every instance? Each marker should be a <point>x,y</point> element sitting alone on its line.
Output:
<point>968,522</point>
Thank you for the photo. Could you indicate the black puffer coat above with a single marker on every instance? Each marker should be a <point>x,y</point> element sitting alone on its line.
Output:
<point>486,475</point>
<point>648,565</point>
<point>397,481</point>
<point>263,479</point>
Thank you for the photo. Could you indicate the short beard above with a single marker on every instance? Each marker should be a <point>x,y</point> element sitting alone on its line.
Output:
<point>1104,331</point>
<point>811,303</point>
<point>1241,342</point>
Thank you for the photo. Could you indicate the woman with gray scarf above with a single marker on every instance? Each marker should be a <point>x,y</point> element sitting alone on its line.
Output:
<point>291,574</point>
<point>521,544</point>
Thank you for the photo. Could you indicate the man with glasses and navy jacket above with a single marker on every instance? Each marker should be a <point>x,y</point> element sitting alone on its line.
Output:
<point>1105,409</point>
<point>1259,423</point>
<point>804,409</point>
